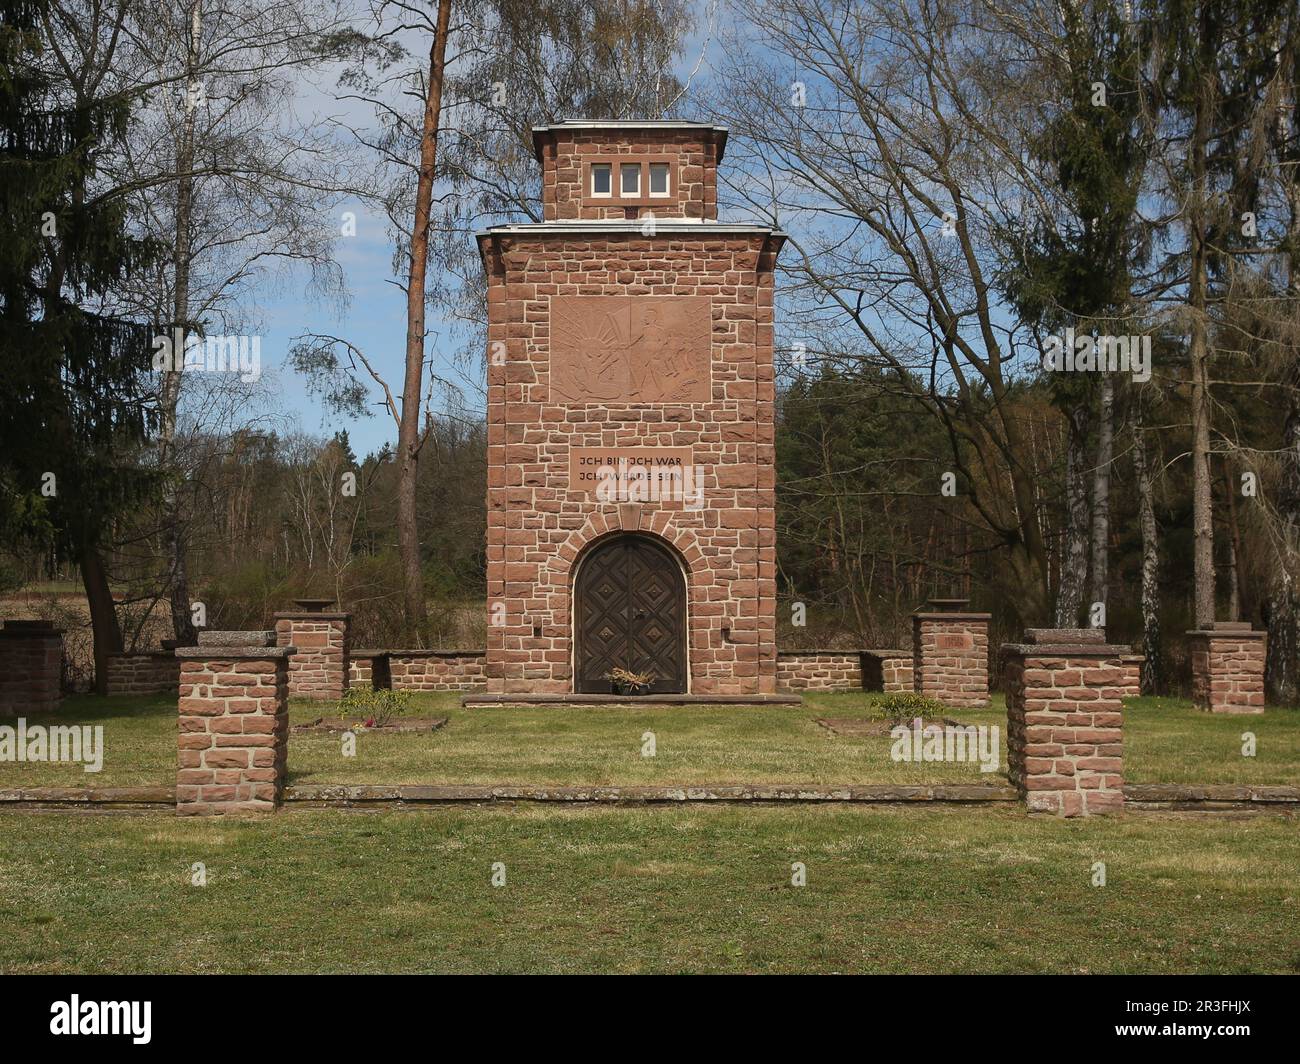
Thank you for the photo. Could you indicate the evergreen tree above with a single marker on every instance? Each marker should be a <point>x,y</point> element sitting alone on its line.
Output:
<point>73,376</point>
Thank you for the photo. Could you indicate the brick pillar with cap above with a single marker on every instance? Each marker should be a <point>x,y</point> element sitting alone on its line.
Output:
<point>950,653</point>
<point>1228,667</point>
<point>1065,715</point>
<point>31,667</point>
<point>233,743</point>
<point>321,666</point>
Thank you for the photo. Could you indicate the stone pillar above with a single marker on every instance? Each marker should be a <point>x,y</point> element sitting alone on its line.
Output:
<point>324,640</point>
<point>233,745</point>
<point>1065,716</point>
<point>1228,667</point>
<point>1133,675</point>
<point>31,667</point>
<point>950,654</point>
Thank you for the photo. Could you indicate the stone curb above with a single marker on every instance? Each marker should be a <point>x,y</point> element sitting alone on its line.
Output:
<point>646,795</point>
<point>1152,795</point>
<point>631,700</point>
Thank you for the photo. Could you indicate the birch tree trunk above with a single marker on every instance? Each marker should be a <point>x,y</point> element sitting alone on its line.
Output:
<point>1152,679</point>
<point>169,397</point>
<point>1101,490</point>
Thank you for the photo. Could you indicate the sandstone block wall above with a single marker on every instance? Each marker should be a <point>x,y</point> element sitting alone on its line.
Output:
<point>539,523</point>
<point>145,673</point>
<point>319,669</point>
<point>1132,686</point>
<point>566,153</point>
<point>819,670</point>
<point>1065,718</point>
<point>889,671</point>
<point>950,655</point>
<point>1228,668</point>
<point>31,667</point>
<point>420,670</point>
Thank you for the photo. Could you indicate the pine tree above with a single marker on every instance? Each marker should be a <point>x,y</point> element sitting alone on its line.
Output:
<point>73,377</point>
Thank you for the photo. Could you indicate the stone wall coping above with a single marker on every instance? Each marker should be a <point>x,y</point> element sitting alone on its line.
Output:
<point>252,638</point>
<point>142,653</point>
<point>1059,636</point>
<point>308,615</point>
<point>228,652</point>
<point>879,653</point>
<point>1067,650</point>
<point>418,653</point>
<point>1228,633</point>
<point>930,615</point>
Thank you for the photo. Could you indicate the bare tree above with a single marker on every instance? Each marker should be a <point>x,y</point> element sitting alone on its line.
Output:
<point>878,132</point>
<point>212,168</point>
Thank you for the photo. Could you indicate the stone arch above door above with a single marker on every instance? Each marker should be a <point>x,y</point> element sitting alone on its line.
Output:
<point>627,518</point>
<point>630,612</point>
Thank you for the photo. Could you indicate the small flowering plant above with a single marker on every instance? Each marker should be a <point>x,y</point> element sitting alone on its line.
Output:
<point>376,708</point>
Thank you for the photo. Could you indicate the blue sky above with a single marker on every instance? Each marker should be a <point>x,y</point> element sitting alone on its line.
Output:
<point>374,316</point>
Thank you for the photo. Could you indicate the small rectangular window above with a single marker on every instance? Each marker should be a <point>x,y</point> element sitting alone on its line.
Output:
<point>631,185</point>
<point>658,179</point>
<point>600,175</point>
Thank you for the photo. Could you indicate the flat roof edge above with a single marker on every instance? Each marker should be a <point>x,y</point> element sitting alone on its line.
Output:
<point>538,131</point>
<point>662,225</point>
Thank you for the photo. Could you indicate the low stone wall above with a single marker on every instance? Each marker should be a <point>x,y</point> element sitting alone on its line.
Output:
<point>819,670</point>
<point>889,671</point>
<point>419,670</point>
<point>31,667</point>
<point>145,673</point>
<point>844,670</point>
<point>361,668</point>
<point>1131,687</point>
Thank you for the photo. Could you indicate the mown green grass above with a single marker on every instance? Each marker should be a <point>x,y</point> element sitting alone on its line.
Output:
<point>1166,741</point>
<point>603,745</point>
<point>139,744</point>
<point>649,890</point>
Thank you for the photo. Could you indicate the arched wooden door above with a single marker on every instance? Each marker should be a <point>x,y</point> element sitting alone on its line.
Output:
<point>629,608</point>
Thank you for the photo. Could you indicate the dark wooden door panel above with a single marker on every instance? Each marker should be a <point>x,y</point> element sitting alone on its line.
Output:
<point>630,612</point>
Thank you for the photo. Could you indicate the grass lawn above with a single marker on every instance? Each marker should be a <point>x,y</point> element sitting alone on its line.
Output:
<point>1166,741</point>
<point>593,745</point>
<point>649,890</point>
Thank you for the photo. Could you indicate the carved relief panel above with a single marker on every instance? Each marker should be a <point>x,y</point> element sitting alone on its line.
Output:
<point>636,349</point>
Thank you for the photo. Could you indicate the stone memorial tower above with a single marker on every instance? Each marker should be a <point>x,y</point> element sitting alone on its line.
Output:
<point>631,475</point>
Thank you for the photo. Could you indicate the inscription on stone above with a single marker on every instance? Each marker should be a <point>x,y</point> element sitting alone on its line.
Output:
<point>636,349</point>
<point>660,471</point>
